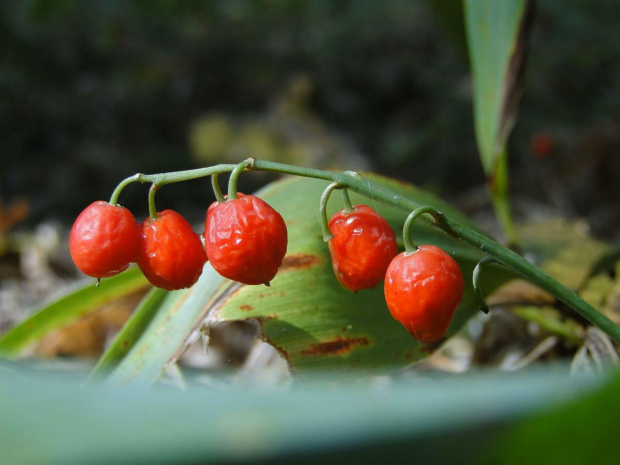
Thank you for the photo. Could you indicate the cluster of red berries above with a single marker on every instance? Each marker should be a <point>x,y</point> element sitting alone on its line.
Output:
<point>422,288</point>
<point>245,240</point>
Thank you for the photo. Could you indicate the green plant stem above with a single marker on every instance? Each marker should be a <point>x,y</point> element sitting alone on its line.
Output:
<point>124,183</point>
<point>327,234</point>
<point>476,283</point>
<point>152,208</point>
<point>498,190</point>
<point>362,186</point>
<point>234,177</point>
<point>346,200</point>
<point>216,188</point>
<point>438,218</point>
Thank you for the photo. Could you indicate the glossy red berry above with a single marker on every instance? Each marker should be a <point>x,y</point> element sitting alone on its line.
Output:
<point>423,290</point>
<point>170,255</point>
<point>245,239</point>
<point>104,240</point>
<point>362,247</point>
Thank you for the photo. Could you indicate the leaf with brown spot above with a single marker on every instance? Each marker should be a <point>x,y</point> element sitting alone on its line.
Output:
<point>337,346</point>
<point>313,308</point>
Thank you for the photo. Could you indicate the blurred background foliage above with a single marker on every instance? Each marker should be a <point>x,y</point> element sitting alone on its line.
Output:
<point>94,91</point>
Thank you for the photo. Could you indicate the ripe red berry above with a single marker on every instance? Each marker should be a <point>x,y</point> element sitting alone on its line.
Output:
<point>170,255</point>
<point>362,248</point>
<point>245,239</point>
<point>423,290</point>
<point>104,240</point>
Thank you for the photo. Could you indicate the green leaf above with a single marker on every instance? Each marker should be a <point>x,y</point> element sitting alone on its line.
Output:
<point>496,32</point>
<point>60,312</point>
<point>449,420</point>
<point>131,331</point>
<point>312,320</point>
<point>180,313</point>
<point>306,314</point>
<point>584,431</point>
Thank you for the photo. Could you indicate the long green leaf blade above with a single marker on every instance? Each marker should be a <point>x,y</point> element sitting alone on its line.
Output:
<point>447,420</point>
<point>496,46</point>
<point>69,308</point>
<point>131,331</point>
<point>180,313</point>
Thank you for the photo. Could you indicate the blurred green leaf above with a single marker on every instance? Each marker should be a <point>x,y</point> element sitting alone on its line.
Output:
<point>62,311</point>
<point>603,291</point>
<point>496,36</point>
<point>565,250</point>
<point>584,431</point>
<point>497,32</point>
<point>47,420</point>
<point>306,314</point>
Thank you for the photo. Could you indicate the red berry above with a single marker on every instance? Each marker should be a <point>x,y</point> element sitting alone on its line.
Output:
<point>245,239</point>
<point>170,255</point>
<point>422,291</point>
<point>362,248</point>
<point>104,240</point>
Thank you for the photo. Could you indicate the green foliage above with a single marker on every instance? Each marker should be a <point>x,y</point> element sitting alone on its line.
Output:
<point>131,331</point>
<point>497,32</point>
<point>47,420</point>
<point>62,311</point>
<point>496,47</point>
<point>584,431</point>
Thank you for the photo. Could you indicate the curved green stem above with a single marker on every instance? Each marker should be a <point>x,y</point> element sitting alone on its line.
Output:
<point>216,188</point>
<point>234,177</point>
<point>476,283</point>
<point>152,208</point>
<point>327,235</point>
<point>124,183</point>
<point>346,200</point>
<point>438,218</point>
<point>362,186</point>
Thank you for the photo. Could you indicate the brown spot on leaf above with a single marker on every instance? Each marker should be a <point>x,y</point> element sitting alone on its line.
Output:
<point>246,307</point>
<point>337,346</point>
<point>300,260</point>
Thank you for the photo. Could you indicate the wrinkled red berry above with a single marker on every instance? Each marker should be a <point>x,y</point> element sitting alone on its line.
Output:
<point>423,290</point>
<point>104,240</point>
<point>363,246</point>
<point>170,255</point>
<point>245,239</point>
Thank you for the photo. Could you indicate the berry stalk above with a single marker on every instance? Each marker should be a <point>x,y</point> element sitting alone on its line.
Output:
<point>152,208</point>
<point>327,235</point>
